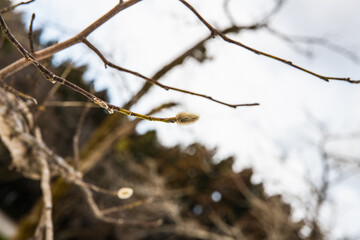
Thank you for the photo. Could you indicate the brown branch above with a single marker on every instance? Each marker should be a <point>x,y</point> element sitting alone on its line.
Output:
<point>76,104</point>
<point>47,52</point>
<point>154,82</point>
<point>10,8</point>
<point>30,33</point>
<point>200,46</point>
<point>17,93</point>
<point>215,32</point>
<point>54,79</point>
<point>77,136</point>
<point>52,92</point>
<point>46,190</point>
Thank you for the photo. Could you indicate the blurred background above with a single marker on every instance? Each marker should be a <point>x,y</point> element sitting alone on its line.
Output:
<point>302,143</point>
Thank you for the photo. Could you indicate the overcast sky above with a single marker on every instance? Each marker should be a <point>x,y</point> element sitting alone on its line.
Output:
<point>278,138</point>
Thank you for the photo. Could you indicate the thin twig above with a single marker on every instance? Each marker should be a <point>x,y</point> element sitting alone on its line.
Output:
<point>52,92</point>
<point>152,81</point>
<point>228,12</point>
<point>215,32</point>
<point>278,6</point>
<point>10,8</point>
<point>30,34</point>
<point>76,104</point>
<point>323,42</point>
<point>77,136</point>
<point>54,79</point>
<point>47,52</point>
<point>17,93</point>
<point>199,46</point>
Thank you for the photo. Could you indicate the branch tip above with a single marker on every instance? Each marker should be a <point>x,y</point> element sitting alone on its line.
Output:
<point>184,118</point>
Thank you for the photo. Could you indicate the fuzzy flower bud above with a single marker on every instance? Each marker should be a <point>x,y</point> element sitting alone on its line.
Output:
<point>184,118</point>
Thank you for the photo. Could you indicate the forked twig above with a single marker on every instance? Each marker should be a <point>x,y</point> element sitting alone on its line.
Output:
<point>152,81</point>
<point>181,118</point>
<point>46,101</point>
<point>215,32</point>
<point>10,8</point>
<point>49,51</point>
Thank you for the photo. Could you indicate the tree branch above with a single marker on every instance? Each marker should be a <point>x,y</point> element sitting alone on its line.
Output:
<point>54,79</point>
<point>200,46</point>
<point>46,190</point>
<point>215,32</point>
<point>154,82</point>
<point>47,52</point>
<point>10,8</point>
<point>323,42</point>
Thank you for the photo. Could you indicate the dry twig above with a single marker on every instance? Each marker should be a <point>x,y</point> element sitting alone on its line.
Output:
<point>77,136</point>
<point>10,8</point>
<point>152,81</point>
<point>199,46</point>
<point>54,79</point>
<point>47,52</point>
<point>215,32</point>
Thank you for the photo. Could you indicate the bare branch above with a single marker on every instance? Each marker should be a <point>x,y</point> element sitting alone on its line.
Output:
<point>46,190</point>
<point>315,41</point>
<point>10,8</point>
<point>200,46</point>
<point>51,93</point>
<point>54,79</point>
<point>278,6</point>
<point>71,104</point>
<point>112,65</point>
<point>215,32</point>
<point>47,52</point>
<point>77,136</point>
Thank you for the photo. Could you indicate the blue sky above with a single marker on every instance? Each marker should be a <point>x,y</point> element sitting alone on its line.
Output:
<point>279,138</point>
